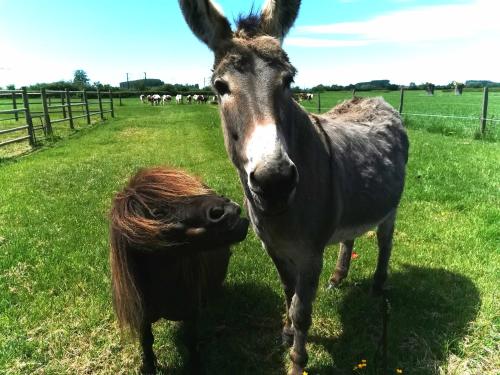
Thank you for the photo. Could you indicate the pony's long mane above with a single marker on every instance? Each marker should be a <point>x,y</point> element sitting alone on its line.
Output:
<point>138,217</point>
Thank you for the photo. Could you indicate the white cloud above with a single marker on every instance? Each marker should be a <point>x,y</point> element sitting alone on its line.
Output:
<point>314,42</point>
<point>420,24</point>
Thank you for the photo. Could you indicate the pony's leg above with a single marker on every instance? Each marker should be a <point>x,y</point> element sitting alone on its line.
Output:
<point>301,309</point>
<point>192,341</point>
<point>385,232</point>
<point>288,278</point>
<point>148,356</point>
<point>343,263</point>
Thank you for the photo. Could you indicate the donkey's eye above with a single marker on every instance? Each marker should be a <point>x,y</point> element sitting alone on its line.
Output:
<point>221,87</point>
<point>287,81</point>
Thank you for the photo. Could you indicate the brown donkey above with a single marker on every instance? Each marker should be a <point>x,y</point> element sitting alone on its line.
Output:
<point>170,238</point>
<point>308,180</point>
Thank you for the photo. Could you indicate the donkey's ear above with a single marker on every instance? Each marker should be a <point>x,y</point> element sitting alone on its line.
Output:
<point>278,16</point>
<point>206,21</point>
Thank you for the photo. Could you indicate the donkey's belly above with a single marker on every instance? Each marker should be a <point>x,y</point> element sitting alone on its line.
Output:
<point>343,234</point>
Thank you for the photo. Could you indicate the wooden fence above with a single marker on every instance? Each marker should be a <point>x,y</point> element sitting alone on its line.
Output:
<point>52,107</point>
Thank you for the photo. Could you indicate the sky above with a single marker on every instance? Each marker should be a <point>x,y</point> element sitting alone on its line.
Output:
<point>332,41</point>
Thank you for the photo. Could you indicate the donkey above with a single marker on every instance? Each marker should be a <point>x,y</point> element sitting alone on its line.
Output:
<point>170,238</point>
<point>309,180</point>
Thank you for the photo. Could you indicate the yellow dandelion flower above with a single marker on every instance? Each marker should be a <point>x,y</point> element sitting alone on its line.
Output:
<point>363,361</point>
<point>304,373</point>
<point>399,371</point>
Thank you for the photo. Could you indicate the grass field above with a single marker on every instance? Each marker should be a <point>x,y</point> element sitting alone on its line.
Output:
<point>55,307</point>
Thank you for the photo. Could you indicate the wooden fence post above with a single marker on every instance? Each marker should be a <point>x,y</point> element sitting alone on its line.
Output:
<point>46,115</point>
<point>401,100</point>
<point>70,114</point>
<point>485,110</point>
<point>100,103</point>
<point>111,104</point>
<point>63,107</point>
<point>14,106</point>
<point>86,101</point>
<point>353,93</point>
<point>319,102</point>
<point>27,115</point>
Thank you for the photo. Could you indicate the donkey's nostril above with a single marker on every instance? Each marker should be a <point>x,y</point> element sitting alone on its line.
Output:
<point>215,213</point>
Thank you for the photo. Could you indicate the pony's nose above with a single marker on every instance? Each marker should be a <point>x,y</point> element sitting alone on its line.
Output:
<point>277,178</point>
<point>218,213</point>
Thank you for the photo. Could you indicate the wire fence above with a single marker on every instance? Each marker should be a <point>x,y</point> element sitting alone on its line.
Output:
<point>406,105</point>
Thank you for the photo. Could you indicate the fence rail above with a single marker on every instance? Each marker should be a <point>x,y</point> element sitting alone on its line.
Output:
<point>53,102</point>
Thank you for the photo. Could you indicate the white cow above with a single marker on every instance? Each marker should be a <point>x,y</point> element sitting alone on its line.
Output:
<point>143,98</point>
<point>165,99</point>
<point>155,99</point>
<point>178,98</point>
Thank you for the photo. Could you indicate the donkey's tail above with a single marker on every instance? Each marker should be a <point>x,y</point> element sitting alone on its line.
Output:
<point>127,299</point>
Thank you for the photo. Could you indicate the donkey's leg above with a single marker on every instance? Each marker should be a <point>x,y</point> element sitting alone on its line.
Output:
<point>301,309</point>
<point>287,273</point>
<point>385,232</point>
<point>148,356</point>
<point>343,263</point>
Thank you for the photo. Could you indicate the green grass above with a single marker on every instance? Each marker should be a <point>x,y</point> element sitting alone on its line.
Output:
<point>55,307</point>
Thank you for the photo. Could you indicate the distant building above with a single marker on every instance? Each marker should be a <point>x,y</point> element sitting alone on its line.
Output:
<point>139,84</point>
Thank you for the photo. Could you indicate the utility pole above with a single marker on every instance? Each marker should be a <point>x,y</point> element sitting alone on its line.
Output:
<point>144,79</point>
<point>128,85</point>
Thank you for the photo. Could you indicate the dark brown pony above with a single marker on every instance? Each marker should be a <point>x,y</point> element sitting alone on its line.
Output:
<point>170,238</point>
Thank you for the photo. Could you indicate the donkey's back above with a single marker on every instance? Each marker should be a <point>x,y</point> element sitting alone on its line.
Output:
<point>369,150</point>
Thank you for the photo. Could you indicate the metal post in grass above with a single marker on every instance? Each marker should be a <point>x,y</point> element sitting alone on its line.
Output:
<point>319,102</point>
<point>14,106</point>
<point>100,104</point>
<point>401,100</point>
<point>111,104</point>
<point>46,115</point>
<point>86,105</point>
<point>485,110</point>
<point>27,115</point>
<point>63,105</point>
<point>68,104</point>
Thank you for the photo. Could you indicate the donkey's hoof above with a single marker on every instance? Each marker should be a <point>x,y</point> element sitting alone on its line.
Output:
<point>332,285</point>
<point>378,290</point>
<point>296,370</point>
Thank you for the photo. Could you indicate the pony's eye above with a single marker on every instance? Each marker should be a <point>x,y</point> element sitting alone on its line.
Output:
<point>287,81</point>
<point>221,87</point>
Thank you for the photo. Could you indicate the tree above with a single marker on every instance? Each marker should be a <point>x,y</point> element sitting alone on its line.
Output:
<point>81,79</point>
<point>11,87</point>
<point>429,87</point>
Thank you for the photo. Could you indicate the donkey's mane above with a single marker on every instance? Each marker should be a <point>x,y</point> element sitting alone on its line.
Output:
<point>248,25</point>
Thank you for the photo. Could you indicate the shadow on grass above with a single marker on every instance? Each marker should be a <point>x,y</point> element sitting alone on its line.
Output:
<point>428,316</point>
<point>238,333</point>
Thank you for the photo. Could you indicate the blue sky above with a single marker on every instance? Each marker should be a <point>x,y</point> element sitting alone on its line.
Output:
<point>333,41</point>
